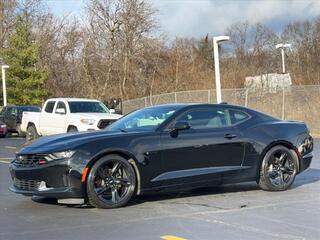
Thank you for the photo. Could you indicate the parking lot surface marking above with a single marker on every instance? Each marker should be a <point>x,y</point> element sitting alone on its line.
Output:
<point>171,237</point>
<point>3,161</point>
<point>10,147</point>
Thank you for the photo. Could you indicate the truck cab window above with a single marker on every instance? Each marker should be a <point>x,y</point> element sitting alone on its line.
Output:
<point>49,107</point>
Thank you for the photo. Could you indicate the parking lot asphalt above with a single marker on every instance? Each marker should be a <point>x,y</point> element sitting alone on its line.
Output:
<point>240,211</point>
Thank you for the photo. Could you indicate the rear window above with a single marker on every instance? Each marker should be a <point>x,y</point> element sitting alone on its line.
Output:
<point>49,107</point>
<point>237,116</point>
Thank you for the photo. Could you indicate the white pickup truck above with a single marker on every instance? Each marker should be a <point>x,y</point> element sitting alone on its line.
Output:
<point>62,115</point>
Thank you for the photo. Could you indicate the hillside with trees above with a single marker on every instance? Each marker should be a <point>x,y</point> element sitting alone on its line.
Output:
<point>115,50</point>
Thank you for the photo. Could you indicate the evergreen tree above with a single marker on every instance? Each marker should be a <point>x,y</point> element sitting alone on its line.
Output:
<point>25,79</point>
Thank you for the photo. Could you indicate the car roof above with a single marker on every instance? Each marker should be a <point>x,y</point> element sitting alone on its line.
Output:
<point>21,106</point>
<point>73,99</point>
<point>187,105</point>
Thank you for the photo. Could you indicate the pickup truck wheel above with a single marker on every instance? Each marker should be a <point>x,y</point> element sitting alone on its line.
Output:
<point>32,133</point>
<point>72,129</point>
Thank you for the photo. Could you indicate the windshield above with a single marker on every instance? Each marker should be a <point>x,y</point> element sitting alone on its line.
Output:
<point>144,119</point>
<point>87,107</point>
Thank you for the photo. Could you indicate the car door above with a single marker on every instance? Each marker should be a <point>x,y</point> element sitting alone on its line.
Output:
<point>60,118</point>
<point>12,118</point>
<point>210,150</point>
<point>47,126</point>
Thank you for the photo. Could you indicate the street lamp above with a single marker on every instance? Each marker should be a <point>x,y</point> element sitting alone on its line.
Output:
<point>4,89</point>
<point>216,41</point>
<point>282,46</point>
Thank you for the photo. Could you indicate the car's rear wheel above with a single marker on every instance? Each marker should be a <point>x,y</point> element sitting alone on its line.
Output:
<point>32,133</point>
<point>111,182</point>
<point>278,169</point>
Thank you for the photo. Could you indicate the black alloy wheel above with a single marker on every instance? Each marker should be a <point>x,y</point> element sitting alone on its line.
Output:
<point>111,182</point>
<point>279,169</point>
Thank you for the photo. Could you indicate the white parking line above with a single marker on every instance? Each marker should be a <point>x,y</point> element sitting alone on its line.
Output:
<point>3,161</point>
<point>10,147</point>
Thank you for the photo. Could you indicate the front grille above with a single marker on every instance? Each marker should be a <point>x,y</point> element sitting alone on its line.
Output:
<point>26,184</point>
<point>27,161</point>
<point>104,123</point>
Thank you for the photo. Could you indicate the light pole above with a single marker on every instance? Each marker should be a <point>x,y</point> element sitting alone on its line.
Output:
<point>216,41</point>
<point>4,89</point>
<point>282,46</point>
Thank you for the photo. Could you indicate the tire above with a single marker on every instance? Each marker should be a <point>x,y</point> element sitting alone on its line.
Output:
<point>72,129</point>
<point>111,182</point>
<point>278,169</point>
<point>32,133</point>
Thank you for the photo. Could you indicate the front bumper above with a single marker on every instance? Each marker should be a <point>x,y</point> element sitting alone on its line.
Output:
<point>54,180</point>
<point>85,127</point>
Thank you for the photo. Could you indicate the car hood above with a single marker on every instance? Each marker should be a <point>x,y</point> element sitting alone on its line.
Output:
<point>97,115</point>
<point>67,141</point>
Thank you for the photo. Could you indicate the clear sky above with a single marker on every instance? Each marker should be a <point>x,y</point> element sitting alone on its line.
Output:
<point>196,18</point>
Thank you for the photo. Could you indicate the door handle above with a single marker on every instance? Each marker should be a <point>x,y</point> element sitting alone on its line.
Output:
<point>230,136</point>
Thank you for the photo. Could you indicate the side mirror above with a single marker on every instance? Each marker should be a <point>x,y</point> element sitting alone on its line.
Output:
<point>181,126</point>
<point>61,111</point>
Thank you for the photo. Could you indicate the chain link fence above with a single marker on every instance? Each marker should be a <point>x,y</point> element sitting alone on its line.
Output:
<point>291,103</point>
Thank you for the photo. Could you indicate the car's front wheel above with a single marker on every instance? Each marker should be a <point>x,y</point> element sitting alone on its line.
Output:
<point>111,182</point>
<point>279,168</point>
<point>72,129</point>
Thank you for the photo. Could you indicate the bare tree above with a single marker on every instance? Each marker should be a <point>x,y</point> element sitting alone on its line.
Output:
<point>7,19</point>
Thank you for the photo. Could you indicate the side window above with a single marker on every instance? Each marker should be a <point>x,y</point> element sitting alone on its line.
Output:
<point>13,111</point>
<point>6,110</point>
<point>237,116</point>
<point>61,105</point>
<point>49,107</point>
<point>206,118</point>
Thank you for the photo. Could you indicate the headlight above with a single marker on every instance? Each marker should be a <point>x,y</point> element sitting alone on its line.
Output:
<point>59,155</point>
<point>88,121</point>
<point>3,126</point>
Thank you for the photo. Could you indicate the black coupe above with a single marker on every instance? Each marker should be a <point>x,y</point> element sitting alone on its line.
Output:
<point>165,148</point>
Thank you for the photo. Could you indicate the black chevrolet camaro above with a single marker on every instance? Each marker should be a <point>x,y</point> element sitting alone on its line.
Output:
<point>164,148</point>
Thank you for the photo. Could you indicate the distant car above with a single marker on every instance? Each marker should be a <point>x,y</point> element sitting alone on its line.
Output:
<point>62,115</point>
<point>12,115</point>
<point>165,148</point>
<point>3,129</point>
